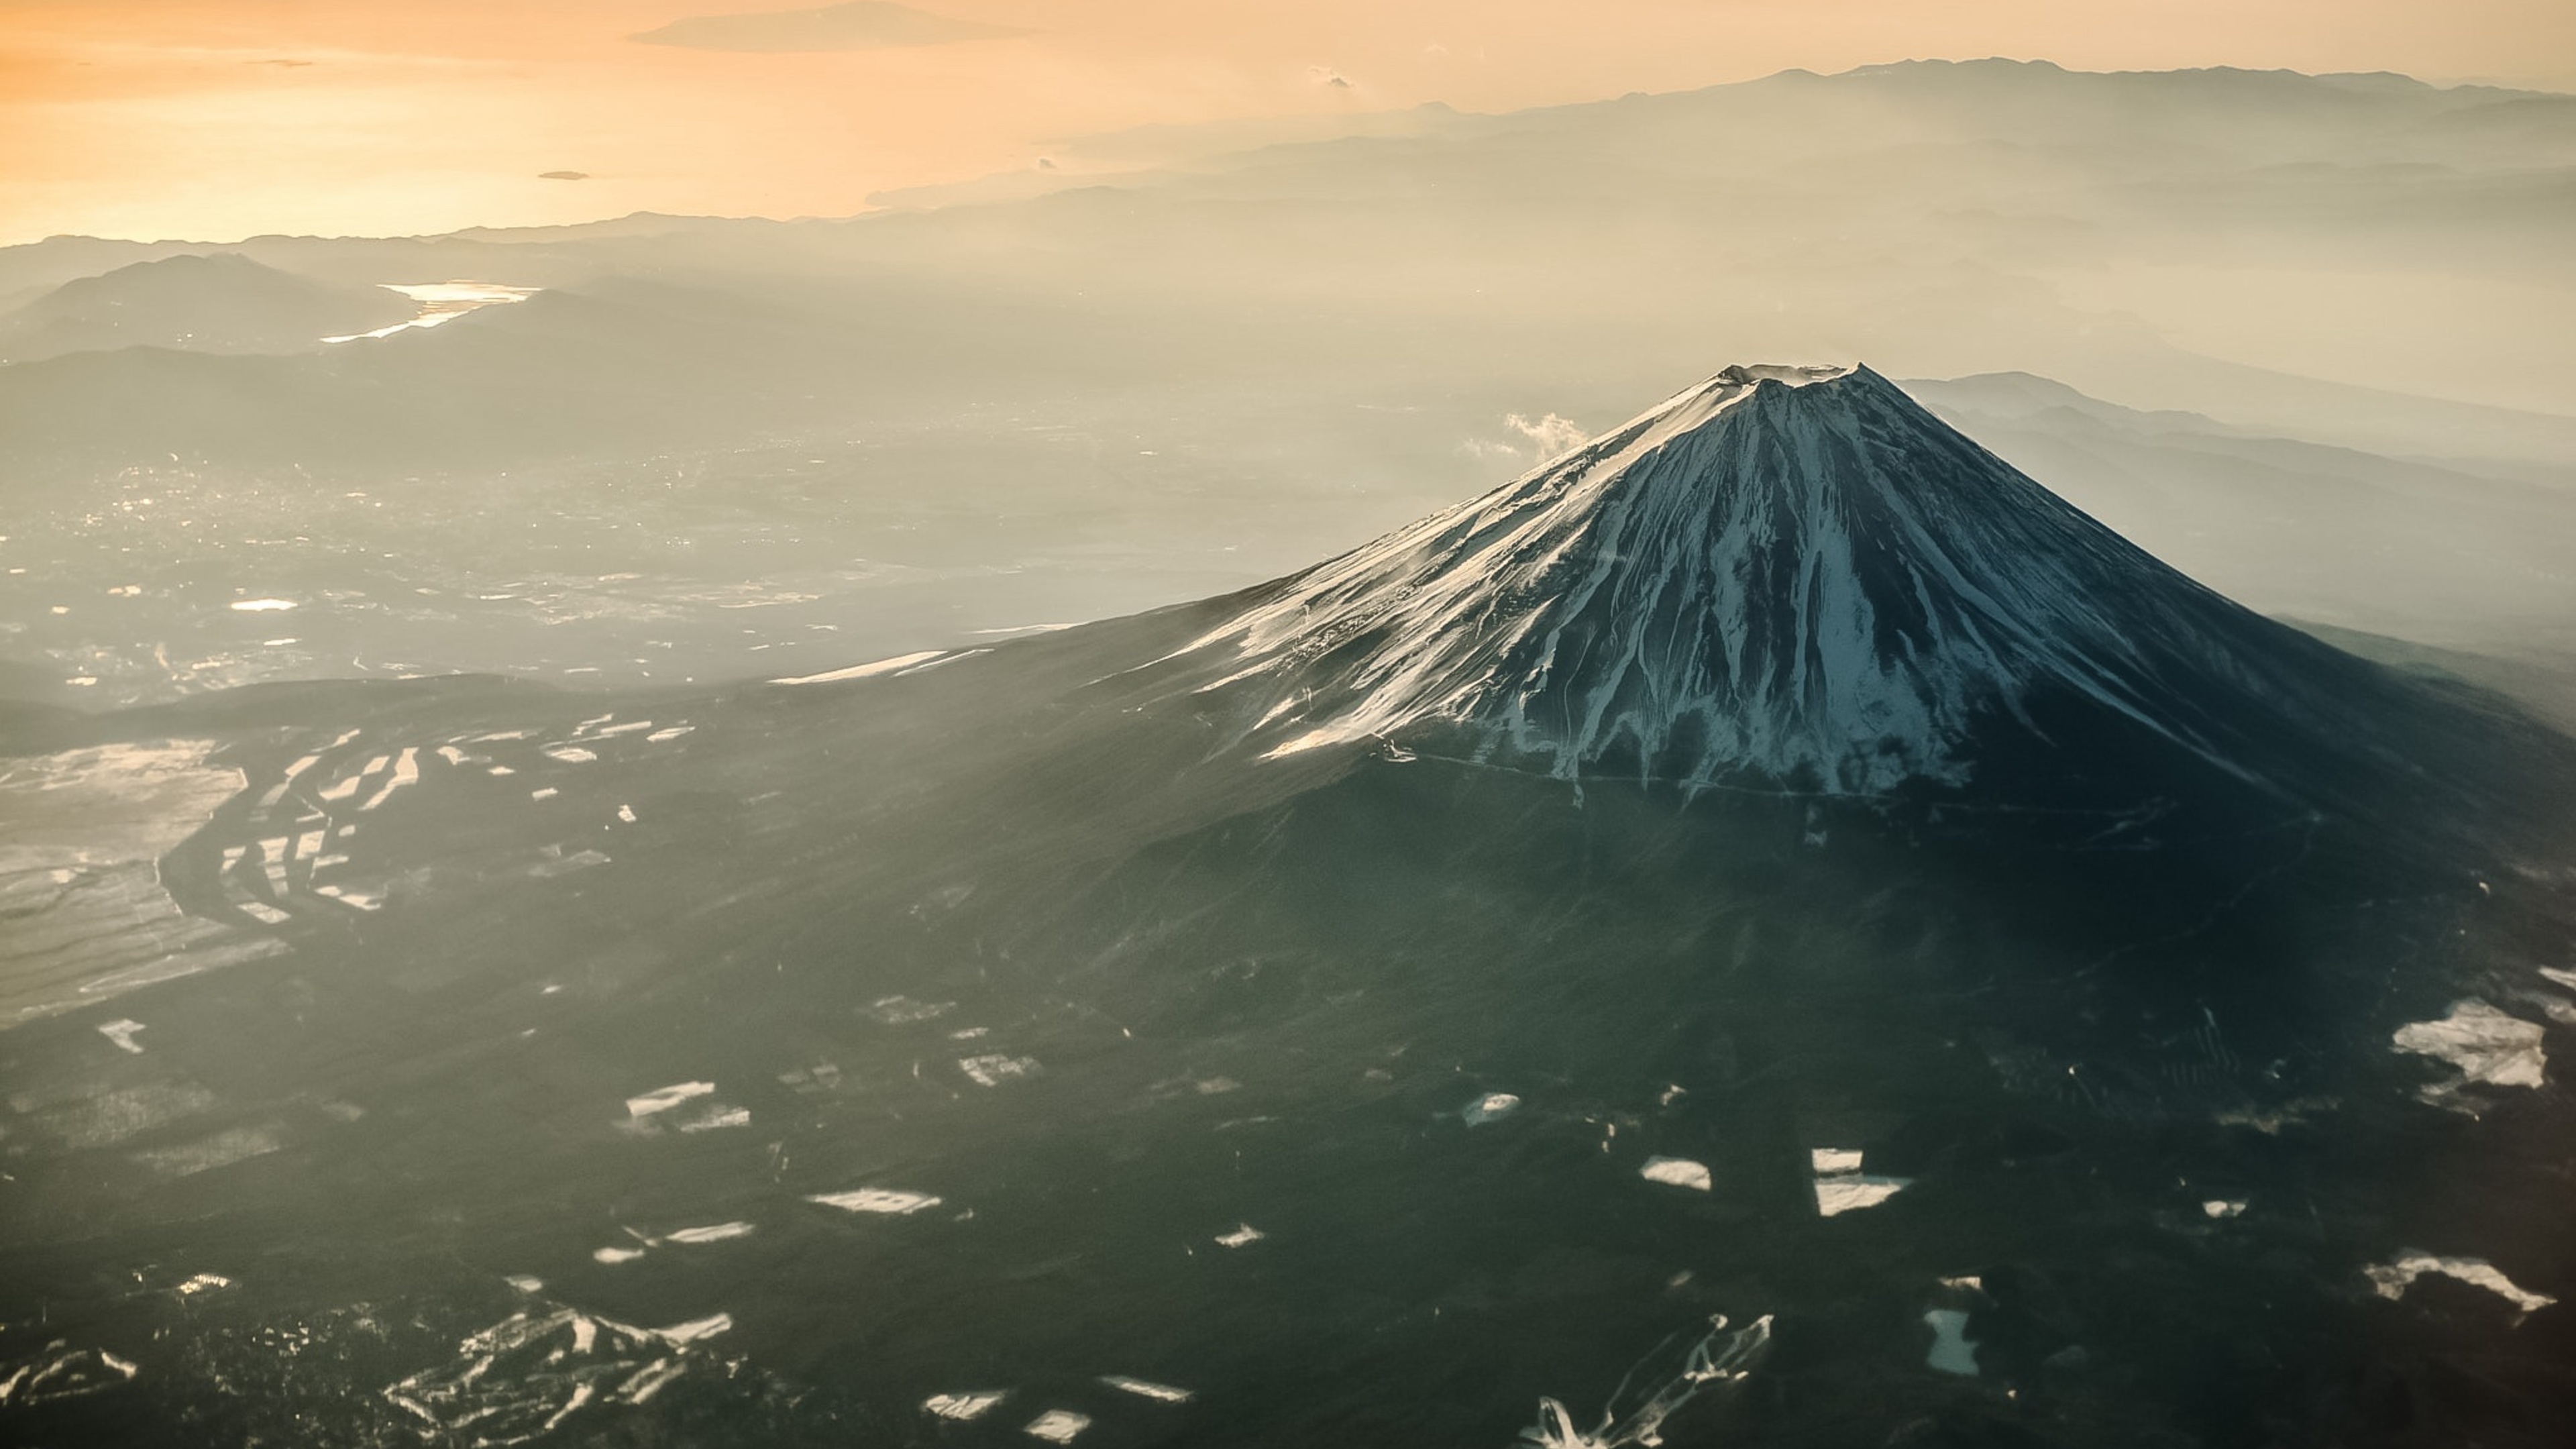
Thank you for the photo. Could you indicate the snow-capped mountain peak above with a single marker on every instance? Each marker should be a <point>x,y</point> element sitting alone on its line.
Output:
<point>1790,572</point>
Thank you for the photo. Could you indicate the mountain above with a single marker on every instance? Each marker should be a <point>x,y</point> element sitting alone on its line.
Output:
<point>223,302</point>
<point>1790,574</point>
<point>1771,928</point>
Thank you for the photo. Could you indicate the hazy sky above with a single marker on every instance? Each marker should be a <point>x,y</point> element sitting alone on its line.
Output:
<point>214,119</point>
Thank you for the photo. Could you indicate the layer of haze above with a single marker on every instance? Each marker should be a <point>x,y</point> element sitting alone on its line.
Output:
<point>217,119</point>
<point>2302,336</point>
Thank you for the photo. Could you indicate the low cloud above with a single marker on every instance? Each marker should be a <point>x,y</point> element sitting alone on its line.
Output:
<point>863,25</point>
<point>1543,439</point>
<point>1325,75</point>
<point>563,176</point>
<point>1550,437</point>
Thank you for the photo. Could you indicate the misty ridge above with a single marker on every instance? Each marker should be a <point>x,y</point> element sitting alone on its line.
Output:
<point>2296,335</point>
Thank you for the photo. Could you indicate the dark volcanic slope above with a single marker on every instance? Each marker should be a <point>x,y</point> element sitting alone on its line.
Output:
<point>1778,865</point>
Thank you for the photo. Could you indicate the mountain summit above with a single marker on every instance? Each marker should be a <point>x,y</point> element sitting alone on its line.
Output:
<point>1788,572</point>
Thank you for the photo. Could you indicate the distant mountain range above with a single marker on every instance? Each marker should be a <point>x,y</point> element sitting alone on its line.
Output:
<point>2331,535</point>
<point>1936,216</point>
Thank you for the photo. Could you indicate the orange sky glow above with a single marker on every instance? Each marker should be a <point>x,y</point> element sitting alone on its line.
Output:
<point>217,119</point>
